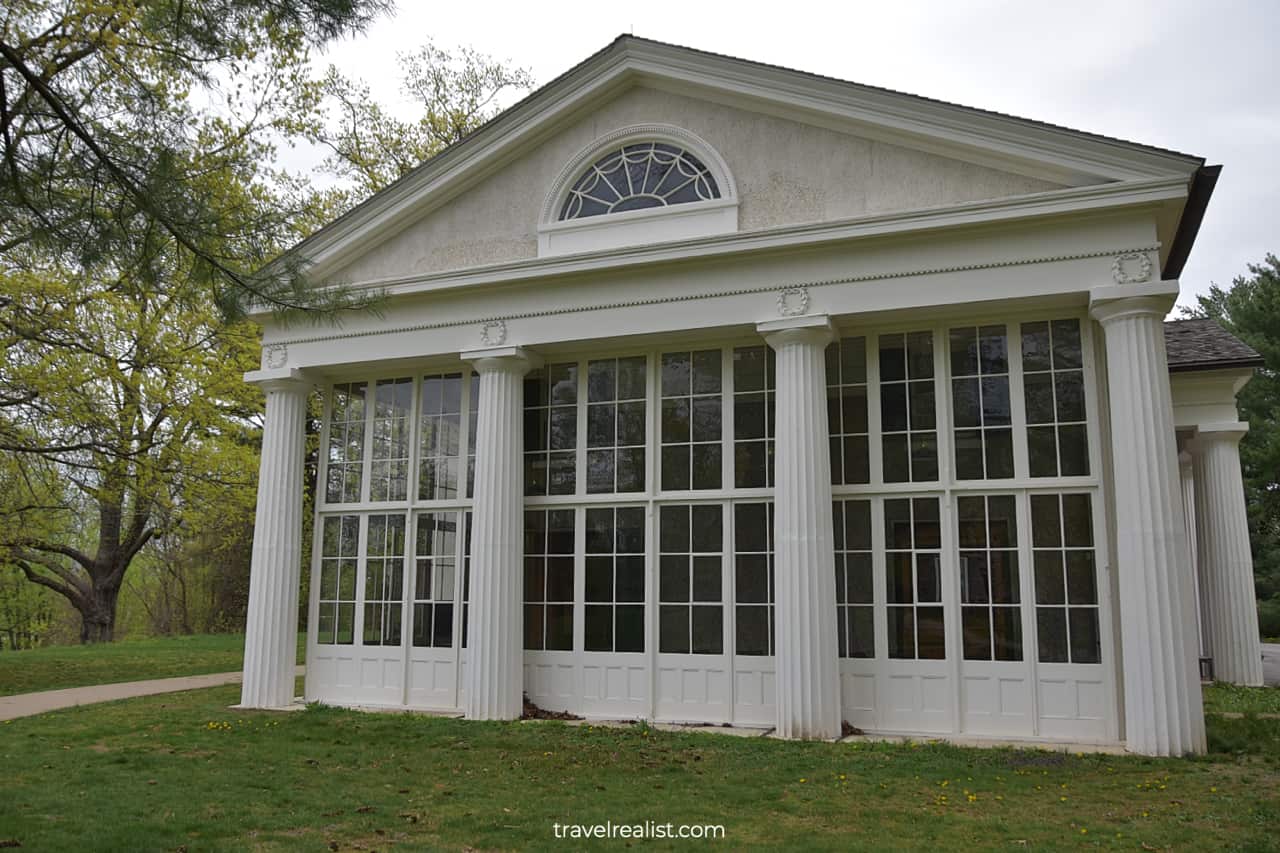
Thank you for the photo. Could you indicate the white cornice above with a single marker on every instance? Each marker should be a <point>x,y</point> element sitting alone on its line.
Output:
<point>971,134</point>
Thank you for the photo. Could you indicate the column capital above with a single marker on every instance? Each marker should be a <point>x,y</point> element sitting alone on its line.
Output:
<point>503,359</point>
<point>1231,431</point>
<point>280,379</point>
<point>1114,302</point>
<point>813,329</point>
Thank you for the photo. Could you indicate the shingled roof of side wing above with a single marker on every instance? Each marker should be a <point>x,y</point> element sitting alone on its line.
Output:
<point>1203,344</point>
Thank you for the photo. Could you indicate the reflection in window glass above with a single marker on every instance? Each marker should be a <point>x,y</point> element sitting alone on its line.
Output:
<point>1053,386</point>
<point>908,423</point>
<point>392,410</point>
<point>339,550</point>
<point>855,599</point>
<point>616,425</point>
<point>753,578</point>
<point>551,430</point>
<point>439,438</point>
<point>548,579</point>
<point>346,442</point>
<point>980,403</point>
<point>913,576</point>
<point>1065,579</point>
<point>847,411</point>
<point>638,176</point>
<point>691,613</point>
<point>989,595</point>
<point>383,580</point>
<point>753,414</point>
<point>435,576</point>
<point>613,617</point>
<point>692,409</point>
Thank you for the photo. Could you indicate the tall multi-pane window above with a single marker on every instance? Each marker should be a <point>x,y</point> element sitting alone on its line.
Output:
<point>473,423</point>
<point>339,553</point>
<point>392,425</point>
<point>980,403</point>
<point>346,442</point>
<point>847,411</point>
<point>466,574</point>
<point>913,563</point>
<point>439,440</point>
<point>1053,383</point>
<point>989,595</point>
<point>908,422</point>
<point>435,574</point>
<point>692,411</point>
<point>753,415</point>
<point>613,617</point>
<point>551,430</point>
<point>383,580</point>
<point>855,591</point>
<point>548,579</point>
<point>753,578</point>
<point>691,609</point>
<point>1066,579</point>
<point>616,425</point>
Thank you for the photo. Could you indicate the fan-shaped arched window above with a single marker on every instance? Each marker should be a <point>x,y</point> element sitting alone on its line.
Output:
<point>637,176</point>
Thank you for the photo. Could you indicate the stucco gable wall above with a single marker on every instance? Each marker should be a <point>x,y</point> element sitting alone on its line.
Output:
<point>787,173</point>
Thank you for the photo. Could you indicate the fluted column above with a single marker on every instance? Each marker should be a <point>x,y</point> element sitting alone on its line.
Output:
<point>271,627</point>
<point>495,672</point>
<point>807,655</point>
<point>1226,563</point>
<point>1162,703</point>
<point>1186,472</point>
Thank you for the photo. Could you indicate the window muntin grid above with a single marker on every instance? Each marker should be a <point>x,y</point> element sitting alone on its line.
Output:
<point>690,594</point>
<point>616,433</point>
<point>548,579</point>
<point>466,574</point>
<point>345,464</point>
<point>473,423</point>
<point>1054,390</point>
<point>339,561</point>
<point>692,409</point>
<point>981,412</point>
<point>855,579</point>
<point>847,422</point>
<point>435,576</point>
<point>383,580</point>
<point>551,430</point>
<point>613,615</point>
<point>753,416</point>
<point>392,422</point>
<point>913,579</point>
<point>908,419</point>
<point>637,176</point>
<point>1066,579</point>
<point>439,436</point>
<point>753,578</point>
<point>990,597</point>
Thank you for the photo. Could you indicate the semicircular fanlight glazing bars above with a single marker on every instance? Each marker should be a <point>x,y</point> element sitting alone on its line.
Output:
<point>639,176</point>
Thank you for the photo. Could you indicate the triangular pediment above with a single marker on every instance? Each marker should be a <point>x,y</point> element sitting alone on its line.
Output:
<point>802,150</point>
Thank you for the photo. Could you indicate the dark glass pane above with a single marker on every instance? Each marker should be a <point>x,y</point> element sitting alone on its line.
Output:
<point>920,355</point>
<point>1081,578</point>
<point>675,467</point>
<point>969,454</point>
<point>928,528</point>
<point>535,390</point>
<point>675,420</point>
<point>1004,577</point>
<point>533,627</point>
<point>902,632</point>
<point>1049,588</point>
<point>964,352</point>
<point>631,423</point>
<point>535,429</point>
<point>442,630</point>
<point>862,632</point>
<point>564,428</point>
<point>924,457</point>
<point>860,584</point>
<point>893,358</point>
<point>750,464</point>
<point>752,630</point>
<point>1069,391</point>
<point>1007,633</point>
<point>973,577</point>
<point>922,405</point>
<point>897,467</point>
<point>598,625</point>
<point>673,578</point>
<point>854,408</point>
<point>972,514</point>
<point>706,578</point>
<point>630,627</point>
<point>898,590</point>
<point>751,579</point>
<point>853,360</point>
<point>706,466</point>
<point>631,378</point>
<point>1066,344</point>
<point>1051,633</point>
<point>599,530</point>
<point>630,578</point>
<point>601,381</point>
<point>833,411</point>
<point>600,423</point>
<point>560,525</point>
<point>1035,346</point>
<point>995,401</point>
<point>563,381</point>
<point>751,527</point>
<point>976,623</point>
<point>893,407</point>
<point>345,633</point>
<point>630,530</point>
<point>535,531</point>
<point>706,419</point>
<point>600,471</point>
<point>559,627</point>
<point>708,630</point>
<point>749,368</point>
<point>994,350</point>
<point>897,523</point>
<point>1077,520</point>
<point>1042,451</point>
<point>675,374</point>
<point>535,474</point>
<point>673,529</point>
<point>1086,644</point>
<point>706,372</point>
<point>599,579</point>
<point>673,630</point>
<point>857,525</point>
<point>630,469</point>
<point>534,579</point>
<point>999,454</point>
<point>928,577</point>
<point>1074,447</point>
<point>706,526</point>
<point>966,402</point>
<point>560,579</point>
<point>831,363</point>
<point>1038,394</point>
<point>748,416</point>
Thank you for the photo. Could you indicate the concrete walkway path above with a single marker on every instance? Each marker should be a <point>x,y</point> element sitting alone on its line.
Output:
<point>30,704</point>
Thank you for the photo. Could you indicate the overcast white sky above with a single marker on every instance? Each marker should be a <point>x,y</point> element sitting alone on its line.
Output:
<point>1199,77</point>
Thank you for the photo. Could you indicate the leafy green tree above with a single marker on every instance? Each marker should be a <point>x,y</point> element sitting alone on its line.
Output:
<point>1250,309</point>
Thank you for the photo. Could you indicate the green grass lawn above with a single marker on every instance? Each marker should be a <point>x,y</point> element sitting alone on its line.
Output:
<point>182,772</point>
<point>1246,700</point>
<point>130,660</point>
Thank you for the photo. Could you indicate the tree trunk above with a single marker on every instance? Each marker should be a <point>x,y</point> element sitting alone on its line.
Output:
<point>98,617</point>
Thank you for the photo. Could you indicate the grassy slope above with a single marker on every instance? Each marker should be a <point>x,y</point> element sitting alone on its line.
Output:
<point>184,770</point>
<point>131,660</point>
<point>1248,700</point>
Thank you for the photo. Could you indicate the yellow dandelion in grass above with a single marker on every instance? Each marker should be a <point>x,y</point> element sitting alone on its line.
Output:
<point>1145,814</point>
<point>842,779</point>
<point>973,798</point>
<point>1213,790</point>
<point>1084,831</point>
<point>999,797</point>
<point>802,780</point>
<point>1062,799</point>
